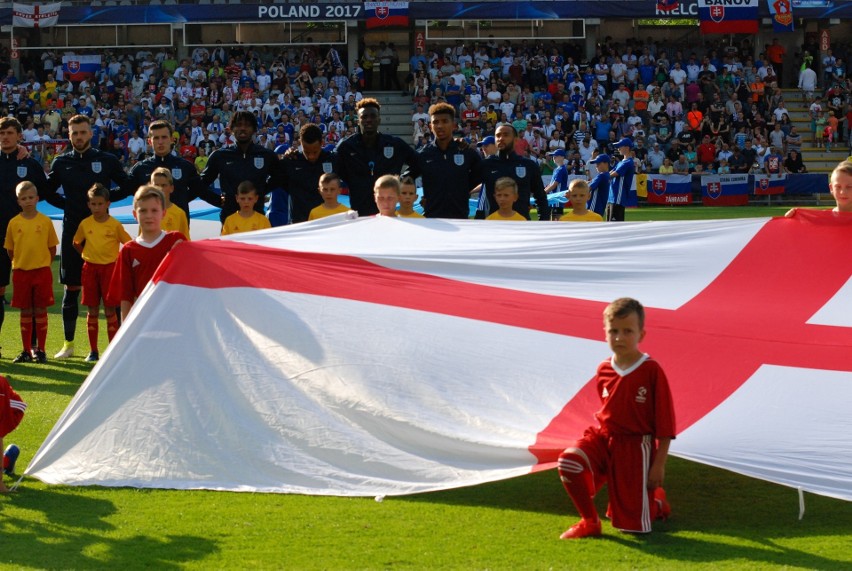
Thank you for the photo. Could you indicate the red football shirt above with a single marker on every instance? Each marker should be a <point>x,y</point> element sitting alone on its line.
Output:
<point>136,264</point>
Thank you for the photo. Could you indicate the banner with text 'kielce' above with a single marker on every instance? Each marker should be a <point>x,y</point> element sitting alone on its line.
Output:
<point>392,356</point>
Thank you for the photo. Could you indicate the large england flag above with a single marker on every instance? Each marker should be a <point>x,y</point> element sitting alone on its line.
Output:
<point>391,356</point>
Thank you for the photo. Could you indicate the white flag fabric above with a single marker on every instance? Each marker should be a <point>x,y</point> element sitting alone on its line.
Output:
<point>35,15</point>
<point>393,356</point>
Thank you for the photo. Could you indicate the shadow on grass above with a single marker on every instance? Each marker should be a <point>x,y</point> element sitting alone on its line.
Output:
<point>72,531</point>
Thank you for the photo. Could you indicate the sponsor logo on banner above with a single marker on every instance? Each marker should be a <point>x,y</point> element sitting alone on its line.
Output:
<point>258,163</point>
<point>97,167</point>
<point>177,174</point>
<point>521,172</point>
<point>388,152</point>
<point>458,159</point>
<point>22,172</point>
<point>326,168</point>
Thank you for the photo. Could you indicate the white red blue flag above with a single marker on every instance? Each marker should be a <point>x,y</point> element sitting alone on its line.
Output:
<point>767,184</point>
<point>669,189</point>
<point>728,16</point>
<point>392,356</point>
<point>79,67</point>
<point>385,14</point>
<point>725,189</point>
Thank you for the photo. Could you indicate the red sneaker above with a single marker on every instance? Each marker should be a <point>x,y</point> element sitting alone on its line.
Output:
<point>664,510</point>
<point>583,528</point>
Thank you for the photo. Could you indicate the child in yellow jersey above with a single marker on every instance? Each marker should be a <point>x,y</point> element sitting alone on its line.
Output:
<point>407,198</point>
<point>174,219</point>
<point>579,195</point>
<point>98,239</point>
<point>329,189</point>
<point>245,219</point>
<point>505,195</point>
<point>386,194</point>
<point>31,243</point>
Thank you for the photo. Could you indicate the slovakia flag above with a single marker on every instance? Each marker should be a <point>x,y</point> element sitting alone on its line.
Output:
<point>728,16</point>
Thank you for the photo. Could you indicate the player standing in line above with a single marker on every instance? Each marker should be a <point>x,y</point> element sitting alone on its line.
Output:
<point>329,190</point>
<point>31,244</point>
<point>12,172</point>
<point>629,447</point>
<point>599,186</point>
<point>76,172</point>
<point>621,193</point>
<point>185,179</point>
<point>246,219</point>
<point>303,170</point>
<point>98,239</point>
<point>386,195</point>
<point>448,172</point>
<point>175,219</point>
<point>525,173</point>
<point>578,196</point>
<point>368,154</point>
<point>139,258</point>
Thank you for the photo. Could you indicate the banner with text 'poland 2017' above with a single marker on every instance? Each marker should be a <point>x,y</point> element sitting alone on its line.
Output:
<point>392,356</point>
<point>728,16</point>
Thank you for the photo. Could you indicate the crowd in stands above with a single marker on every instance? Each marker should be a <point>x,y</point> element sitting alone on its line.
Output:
<point>713,109</point>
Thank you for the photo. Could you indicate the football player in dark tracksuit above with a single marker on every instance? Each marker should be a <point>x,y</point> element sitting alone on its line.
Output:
<point>448,172</point>
<point>524,171</point>
<point>188,185</point>
<point>303,169</point>
<point>76,171</point>
<point>244,161</point>
<point>365,156</point>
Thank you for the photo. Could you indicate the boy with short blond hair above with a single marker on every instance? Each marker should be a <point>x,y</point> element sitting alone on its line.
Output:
<point>578,195</point>
<point>139,258</point>
<point>31,244</point>
<point>386,194</point>
<point>407,198</point>
<point>505,195</point>
<point>98,239</point>
<point>174,219</point>
<point>628,448</point>
<point>329,189</point>
<point>246,219</point>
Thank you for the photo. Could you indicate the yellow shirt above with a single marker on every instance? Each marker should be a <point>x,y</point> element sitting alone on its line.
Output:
<point>514,216</point>
<point>666,169</point>
<point>321,211</point>
<point>589,216</point>
<point>414,214</point>
<point>234,224</point>
<point>102,239</point>
<point>31,240</point>
<point>175,220</point>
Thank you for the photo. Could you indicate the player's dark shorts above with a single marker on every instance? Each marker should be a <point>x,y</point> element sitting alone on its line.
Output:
<point>70,262</point>
<point>32,288</point>
<point>95,281</point>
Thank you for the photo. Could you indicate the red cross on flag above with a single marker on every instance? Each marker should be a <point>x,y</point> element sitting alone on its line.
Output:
<point>35,15</point>
<point>392,356</point>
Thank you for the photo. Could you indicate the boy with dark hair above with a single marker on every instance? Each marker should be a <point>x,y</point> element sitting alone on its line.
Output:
<point>98,239</point>
<point>31,243</point>
<point>246,219</point>
<point>407,198</point>
<point>629,446</point>
<point>139,258</point>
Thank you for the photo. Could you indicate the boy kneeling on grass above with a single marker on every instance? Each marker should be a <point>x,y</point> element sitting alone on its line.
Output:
<point>629,447</point>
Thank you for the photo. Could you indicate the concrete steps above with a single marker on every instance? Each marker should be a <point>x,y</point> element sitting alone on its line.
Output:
<point>396,113</point>
<point>817,159</point>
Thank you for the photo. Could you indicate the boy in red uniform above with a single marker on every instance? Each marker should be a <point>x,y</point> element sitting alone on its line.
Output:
<point>139,258</point>
<point>636,409</point>
<point>12,410</point>
<point>31,243</point>
<point>98,240</point>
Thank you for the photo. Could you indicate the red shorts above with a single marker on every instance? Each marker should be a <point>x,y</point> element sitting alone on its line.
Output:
<point>95,279</point>
<point>32,288</point>
<point>622,462</point>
